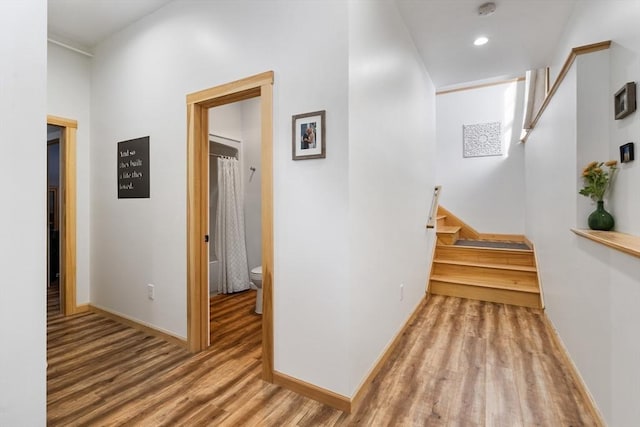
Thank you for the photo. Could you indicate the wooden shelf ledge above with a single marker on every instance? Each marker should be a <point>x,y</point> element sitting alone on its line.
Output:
<point>626,243</point>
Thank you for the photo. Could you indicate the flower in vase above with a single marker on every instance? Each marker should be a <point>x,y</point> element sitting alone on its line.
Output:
<point>597,177</point>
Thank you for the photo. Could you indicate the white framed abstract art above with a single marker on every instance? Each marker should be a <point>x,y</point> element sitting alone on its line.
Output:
<point>480,140</point>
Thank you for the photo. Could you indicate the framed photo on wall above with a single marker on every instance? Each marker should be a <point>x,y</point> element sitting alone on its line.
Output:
<point>625,101</point>
<point>308,136</point>
<point>626,153</point>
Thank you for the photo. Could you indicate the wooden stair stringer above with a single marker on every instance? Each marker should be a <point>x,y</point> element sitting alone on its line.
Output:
<point>535,264</point>
<point>466,231</point>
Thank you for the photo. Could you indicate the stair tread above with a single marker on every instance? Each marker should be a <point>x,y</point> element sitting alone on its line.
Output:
<point>493,283</point>
<point>448,229</point>
<point>497,250</point>
<point>498,266</point>
<point>493,244</point>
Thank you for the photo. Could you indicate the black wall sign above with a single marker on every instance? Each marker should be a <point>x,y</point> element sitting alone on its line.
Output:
<point>133,169</point>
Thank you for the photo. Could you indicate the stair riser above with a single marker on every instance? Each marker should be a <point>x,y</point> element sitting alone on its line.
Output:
<point>485,294</point>
<point>448,239</point>
<point>487,256</point>
<point>523,278</point>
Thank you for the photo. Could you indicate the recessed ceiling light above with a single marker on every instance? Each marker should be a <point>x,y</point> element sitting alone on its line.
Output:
<point>480,41</point>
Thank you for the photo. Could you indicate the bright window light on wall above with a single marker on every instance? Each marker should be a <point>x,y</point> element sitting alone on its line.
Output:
<point>482,40</point>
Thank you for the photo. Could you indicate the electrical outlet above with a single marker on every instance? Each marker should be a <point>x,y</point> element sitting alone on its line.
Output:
<point>401,291</point>
<point>151,291</point>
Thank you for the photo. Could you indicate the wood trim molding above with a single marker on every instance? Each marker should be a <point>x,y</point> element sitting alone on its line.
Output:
<point>266,162</point>
<point>62,122</point>
<point>386,354</point>
<point>207,97</point>
<point>433,257</point>
<point>137,325</point>
<point>575,373</point>
<point>198,104</point>
<point>82,308</point>
<point>311,391</point>
<point>480,86</point>
<point>69,218</point>
<point>197,202</point>
<point>580,50</point>
<point>537,266</point>
<point>622,242</point>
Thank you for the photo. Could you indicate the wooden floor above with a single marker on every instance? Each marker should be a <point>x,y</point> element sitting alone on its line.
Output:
<point>462,363</point>
<point>53,300</point>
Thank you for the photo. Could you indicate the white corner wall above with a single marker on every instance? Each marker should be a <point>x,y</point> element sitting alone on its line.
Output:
<point>23,185</point>
<point>591,291</point>
<point>68,96</point>
<point>391,179</point>
<point>140,78</point>
<point>485,192</point>
<point>625,198</point>
<point>226,121</point>
<point>595,21</point>
<point>251,151</point>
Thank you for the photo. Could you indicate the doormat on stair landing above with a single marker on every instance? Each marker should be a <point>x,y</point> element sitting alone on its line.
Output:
<point>493,244</point>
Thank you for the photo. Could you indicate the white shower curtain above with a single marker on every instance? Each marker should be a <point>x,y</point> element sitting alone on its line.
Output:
<point>230,245</point>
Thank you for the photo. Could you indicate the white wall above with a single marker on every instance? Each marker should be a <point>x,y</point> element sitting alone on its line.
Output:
<point>391,179</point>
<point>591,291</point>
<point>625,199</point>
<point>593,112</point>
<point>251,152</point>
<point>226,121</point>
<point>139,81</point>
<point>485,192</point>
<point>23,185</point>
<point>68,96</point>
<point>595,21</point>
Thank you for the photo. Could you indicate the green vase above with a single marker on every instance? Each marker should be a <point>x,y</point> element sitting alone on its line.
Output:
<point>600,219</point>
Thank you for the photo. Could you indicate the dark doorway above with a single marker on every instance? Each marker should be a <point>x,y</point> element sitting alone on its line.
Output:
<point>54,134</point>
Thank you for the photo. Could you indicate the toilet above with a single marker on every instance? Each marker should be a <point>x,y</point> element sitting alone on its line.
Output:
<point>256,279</point>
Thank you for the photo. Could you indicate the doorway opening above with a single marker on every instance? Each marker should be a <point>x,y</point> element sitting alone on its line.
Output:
<point>61,215</point>
<point>198,105</point>
<point>53,219</point>
<point>235,238</point>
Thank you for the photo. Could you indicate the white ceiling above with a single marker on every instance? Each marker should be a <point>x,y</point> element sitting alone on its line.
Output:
<point>522,33</point>
<point>85,23</point>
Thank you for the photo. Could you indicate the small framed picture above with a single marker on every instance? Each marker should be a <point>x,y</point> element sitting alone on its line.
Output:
<point>625,101</point>
<point>626,152</point>
<point>308,136</point>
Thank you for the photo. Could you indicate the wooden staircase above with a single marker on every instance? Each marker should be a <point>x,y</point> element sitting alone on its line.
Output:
<point>497,274</point>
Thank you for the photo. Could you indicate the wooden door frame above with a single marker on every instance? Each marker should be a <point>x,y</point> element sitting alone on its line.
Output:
<point>198,104</point>
<point>68,304</point>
